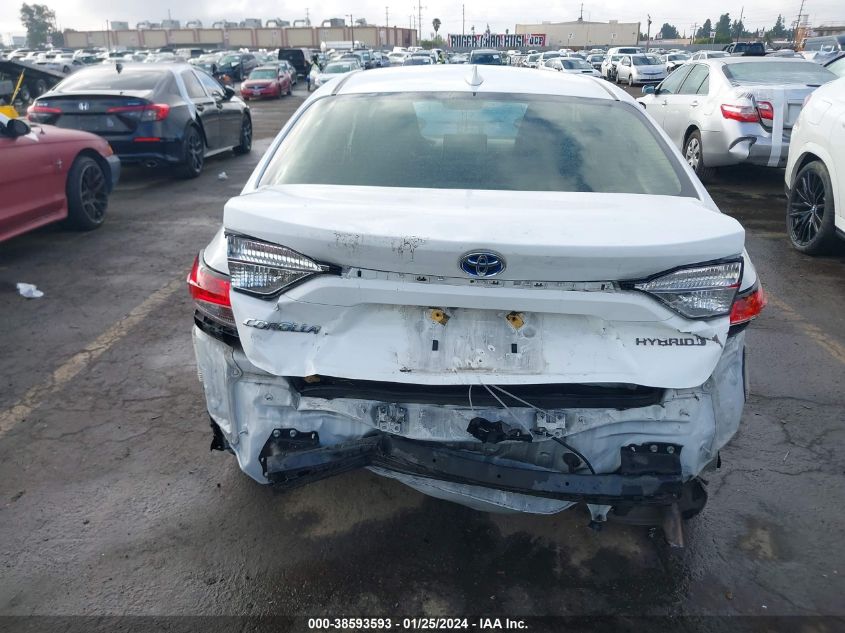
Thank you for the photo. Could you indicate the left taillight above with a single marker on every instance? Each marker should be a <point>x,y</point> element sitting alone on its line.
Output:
<point>210,292</point>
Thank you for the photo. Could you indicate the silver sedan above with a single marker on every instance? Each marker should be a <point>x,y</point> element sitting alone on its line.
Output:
<point>640,69</point>
<point>733,110</point>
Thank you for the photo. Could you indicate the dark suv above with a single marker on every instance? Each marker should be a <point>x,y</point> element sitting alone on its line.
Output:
<point>746,49</point>
<point>299,58</point>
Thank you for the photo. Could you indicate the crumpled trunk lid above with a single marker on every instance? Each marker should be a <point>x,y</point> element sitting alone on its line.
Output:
<point>403,311</point>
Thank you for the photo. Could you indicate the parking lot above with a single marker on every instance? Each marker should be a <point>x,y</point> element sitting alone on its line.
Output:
<point>112,503</point>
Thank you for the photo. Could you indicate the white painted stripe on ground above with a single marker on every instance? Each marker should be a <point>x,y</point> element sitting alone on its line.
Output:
<point>62,375</point>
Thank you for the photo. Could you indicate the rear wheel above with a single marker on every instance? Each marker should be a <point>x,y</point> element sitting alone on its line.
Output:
<point>630,81</point>
<point>246,136</point>
<point>694,154</point>
<point>87,194</point>
<point>810,212</point>
<point>193,154</point>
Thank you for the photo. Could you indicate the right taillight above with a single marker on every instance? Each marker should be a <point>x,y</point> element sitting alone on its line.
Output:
<point>766,110</point>
<point>743,113</point>
<point>748,305</point>
<point>210,291</point>
<point>697,292</point>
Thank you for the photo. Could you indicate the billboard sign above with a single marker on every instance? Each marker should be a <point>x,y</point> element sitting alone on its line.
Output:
<point>498,40</point>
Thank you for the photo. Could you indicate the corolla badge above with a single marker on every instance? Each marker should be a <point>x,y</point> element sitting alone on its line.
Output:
<point>482,263</point>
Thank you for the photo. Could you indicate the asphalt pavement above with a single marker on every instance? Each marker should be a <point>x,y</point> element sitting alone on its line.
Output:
<point>112,504</point>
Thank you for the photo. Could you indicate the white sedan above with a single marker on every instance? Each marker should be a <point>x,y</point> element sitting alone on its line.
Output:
<point>437,273</point>
<point>572,65</point>
<point>815,171</point>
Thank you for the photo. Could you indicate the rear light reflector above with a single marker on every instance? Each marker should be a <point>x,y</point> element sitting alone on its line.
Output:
<point>697,292</point>
<point>766,110</point>
<point>146,112</point>
<point>210,291</point>
<point>746,114</point>
<point>748,305</point>
<point>146,139</point>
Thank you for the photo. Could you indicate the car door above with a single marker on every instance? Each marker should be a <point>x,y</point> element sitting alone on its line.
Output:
<point>206,107</point>
<point>664,92</point>
<point>229,123</point>
<point>623,69</point>
<point>33,184</point>
<point>681,108</point>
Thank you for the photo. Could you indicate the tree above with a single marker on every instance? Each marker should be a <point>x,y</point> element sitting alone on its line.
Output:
<point>436,24</point>
<point>361,22</point>
<point>40,23</point>
<point>669,32</point>
<point>723,28</point>
<point>779,29</point>
<point>737,29</point>
<point>704,31</point>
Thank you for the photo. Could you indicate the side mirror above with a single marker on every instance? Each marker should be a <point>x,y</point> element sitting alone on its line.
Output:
<point>649,90</point>
<point>228,92</point>
<point>15,128</point>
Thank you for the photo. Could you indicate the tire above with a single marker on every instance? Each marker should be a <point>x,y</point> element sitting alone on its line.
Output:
<point>40,87</point>
<point>193,154</point>
<point>810,212</point>
<point>246,137</point>
<point>290,89</point>
<point>694,155</point>
<point>87,194</point>
<point>630,81</point>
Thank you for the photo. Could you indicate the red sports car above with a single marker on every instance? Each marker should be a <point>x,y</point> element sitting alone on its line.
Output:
<point>50,174</point>
<point>266,81</point>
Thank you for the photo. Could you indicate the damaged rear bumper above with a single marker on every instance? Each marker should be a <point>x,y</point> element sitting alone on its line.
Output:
<point>643,454</point>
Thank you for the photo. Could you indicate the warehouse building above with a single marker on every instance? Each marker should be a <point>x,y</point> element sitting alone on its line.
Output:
<point>584,34</point>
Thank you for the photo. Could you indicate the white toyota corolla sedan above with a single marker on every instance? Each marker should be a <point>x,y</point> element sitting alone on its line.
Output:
<point>439,274</point>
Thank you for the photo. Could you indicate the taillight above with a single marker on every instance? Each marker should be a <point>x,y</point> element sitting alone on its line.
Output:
<point>746,114</point>
<point>264,269</point>
<point>145,112</point>
<point>766,110</point>
<point>748,305</point>
<point>697,292</point>
<point>40,109</point>
<point>210,291</point>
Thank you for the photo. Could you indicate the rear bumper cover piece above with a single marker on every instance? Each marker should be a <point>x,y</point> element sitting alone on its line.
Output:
<point>288,438</point>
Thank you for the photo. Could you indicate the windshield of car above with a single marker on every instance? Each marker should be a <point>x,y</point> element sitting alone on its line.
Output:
<point>550,55</point>
<point>645,60</point>
<point>230,59</point>
<point>715,54</point>
<point>485,58</point>
<point>678,58</point>
<point>575,64</point>
<point>778,72</point>
<point>263,73</point>
<point>107,78</point>
<point>499,142</point>
<point>416,61</point>
<point>339,67</point>
<point>534,57</point>
<point>837,67</point>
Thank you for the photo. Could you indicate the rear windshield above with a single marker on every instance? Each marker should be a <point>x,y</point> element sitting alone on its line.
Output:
<point>456,141</point>
<point>264,73</point>
<point>778,72</point>
<point>107,78</point>
<point>332,69</point>
<point>485,58</point>
<point>575,64</point>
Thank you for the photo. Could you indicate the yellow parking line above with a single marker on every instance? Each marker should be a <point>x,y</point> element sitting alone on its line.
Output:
<point>816,334</point>
<point>67,371</point>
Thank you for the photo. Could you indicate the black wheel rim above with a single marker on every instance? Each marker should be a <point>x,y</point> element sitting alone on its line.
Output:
<point>195,156</point>
<point>246,133</point>
<point>806,208</point>
<point>92,192</point>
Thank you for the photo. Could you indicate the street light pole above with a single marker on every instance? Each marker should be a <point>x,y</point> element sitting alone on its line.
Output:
<point>352,26</point>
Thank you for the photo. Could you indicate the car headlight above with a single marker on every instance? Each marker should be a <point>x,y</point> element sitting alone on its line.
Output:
<point>264,269</point>
<point>696,292</point>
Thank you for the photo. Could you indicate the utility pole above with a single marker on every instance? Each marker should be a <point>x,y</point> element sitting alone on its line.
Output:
<point>387,16</point>
<point>648,34</point>
<point>352,24</point>
<point>739,25</point>
<point>692,37</point>
<point>463,19</point>
<point>307,17</point>
<point>798,21</point>
<point>419,21</point>
<point>581,17</point>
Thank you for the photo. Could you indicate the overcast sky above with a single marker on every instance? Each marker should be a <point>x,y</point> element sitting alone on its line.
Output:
<point>500,14</point>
